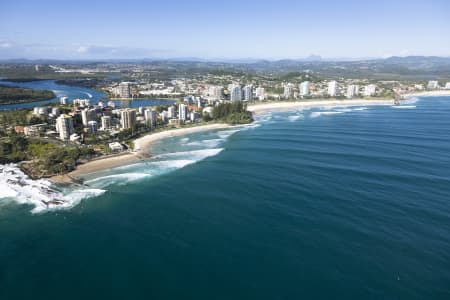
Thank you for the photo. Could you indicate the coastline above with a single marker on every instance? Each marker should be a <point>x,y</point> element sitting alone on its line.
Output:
<point>140,152</point>
<point>286,106</point>
<point>144,143</point>
<point>314,103</point>
<point>429,93</point>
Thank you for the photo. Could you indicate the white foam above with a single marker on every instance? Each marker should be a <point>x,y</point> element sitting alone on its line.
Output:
<point>294,118</point>
<point>171,164</point>
<point>211,143</point>
<point>88,94</point>
<point>344,110</point>
<point>117,179</point>
<point>158,165</point>
<point>411,100</point>
<point>404,106</point>
<point>17,186</point>
<point>251,125</point>
<point>350,109</point>
<point>226,133</point>
<point>320,113</point>
<point>194,154</point>
<point>140,171</point>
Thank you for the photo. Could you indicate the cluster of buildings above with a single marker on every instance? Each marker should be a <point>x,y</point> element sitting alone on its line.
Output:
<point>248,92</point>
<point>73,123</point>
<point>122,90</point>
<point>330,89</point>
<point>434,85</point>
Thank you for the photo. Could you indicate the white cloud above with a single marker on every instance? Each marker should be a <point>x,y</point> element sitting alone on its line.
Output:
<point>6,44</point>
<point>83,49</point>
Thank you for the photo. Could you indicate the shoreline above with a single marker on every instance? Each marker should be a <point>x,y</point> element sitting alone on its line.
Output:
<point>142,145</point>
<point>140,98</point>
<point>258,109</point>
<point>278,106</point>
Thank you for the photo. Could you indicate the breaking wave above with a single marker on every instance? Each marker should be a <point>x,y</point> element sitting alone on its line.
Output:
<point>294,118</point>
<point>158,165</point>
<point>211,143</point>
<point>41,194</point>
<point>316,114</point>
<point>404,106</point>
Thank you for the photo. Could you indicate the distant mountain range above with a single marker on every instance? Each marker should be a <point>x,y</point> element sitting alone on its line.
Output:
<point>312,58</point>
<point>387,68</point>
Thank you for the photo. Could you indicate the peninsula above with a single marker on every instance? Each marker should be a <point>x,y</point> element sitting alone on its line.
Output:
<point>14,95</point>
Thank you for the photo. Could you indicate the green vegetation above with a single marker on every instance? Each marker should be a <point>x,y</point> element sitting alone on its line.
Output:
<point>43,158</point>
<point>13,95</point>
<point>50,159</point>
<point>232,113</point>
<point>23,72</point>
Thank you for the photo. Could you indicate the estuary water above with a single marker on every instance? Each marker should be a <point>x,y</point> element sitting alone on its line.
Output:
<point>325,203</point>
<point>73,92</point>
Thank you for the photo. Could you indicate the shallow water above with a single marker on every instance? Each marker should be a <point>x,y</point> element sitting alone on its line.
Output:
<point>74,92</point>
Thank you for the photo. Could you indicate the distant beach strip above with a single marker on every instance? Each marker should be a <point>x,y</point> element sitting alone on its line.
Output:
<point>142,145</point>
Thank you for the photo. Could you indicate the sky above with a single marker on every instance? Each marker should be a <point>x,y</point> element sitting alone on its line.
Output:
<point>133,29</point>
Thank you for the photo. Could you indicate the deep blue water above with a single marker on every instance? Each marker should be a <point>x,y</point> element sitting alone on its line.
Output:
<point>73,92</point>
<point>346,204</point>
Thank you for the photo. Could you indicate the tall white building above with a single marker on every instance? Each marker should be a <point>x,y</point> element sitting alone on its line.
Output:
<point>106,122</point>
<point>124,90</point>
<point>304,88</point>
<point>92,126</point>
<point>171,112</point>
<point>235,93</point>
<point>370,90</point>
<point>150,117</point>
<point>260,93</point>
<point>127,118</point>
<point>248,92</point>
<point>64,126</point>
<point>88,115</point>
<point>182,112</point>
<point>352,90</point>
<point>332,88</point>
<point>216,92</point>
<point>447,86</point>
<point>433,84</point>
<point>164,115</point>
<point>63,100</point>
<point>82,102</point>
<point>288,91</point>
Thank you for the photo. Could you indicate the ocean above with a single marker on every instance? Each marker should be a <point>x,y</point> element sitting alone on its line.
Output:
<point>325,203</point>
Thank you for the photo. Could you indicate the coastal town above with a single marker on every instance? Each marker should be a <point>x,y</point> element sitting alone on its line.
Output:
<point>70,131</point>
<point>76,120</point>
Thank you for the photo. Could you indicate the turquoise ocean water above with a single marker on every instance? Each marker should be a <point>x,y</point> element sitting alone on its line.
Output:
<point>347,203</point>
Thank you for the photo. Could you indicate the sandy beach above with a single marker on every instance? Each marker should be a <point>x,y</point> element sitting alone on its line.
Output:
<point>141,147</point>
<point>143,144</point>
<point>286,106</point>
<point>428,93</point>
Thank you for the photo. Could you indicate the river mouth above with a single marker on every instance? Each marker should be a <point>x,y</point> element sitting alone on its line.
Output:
<point>74,92</point>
